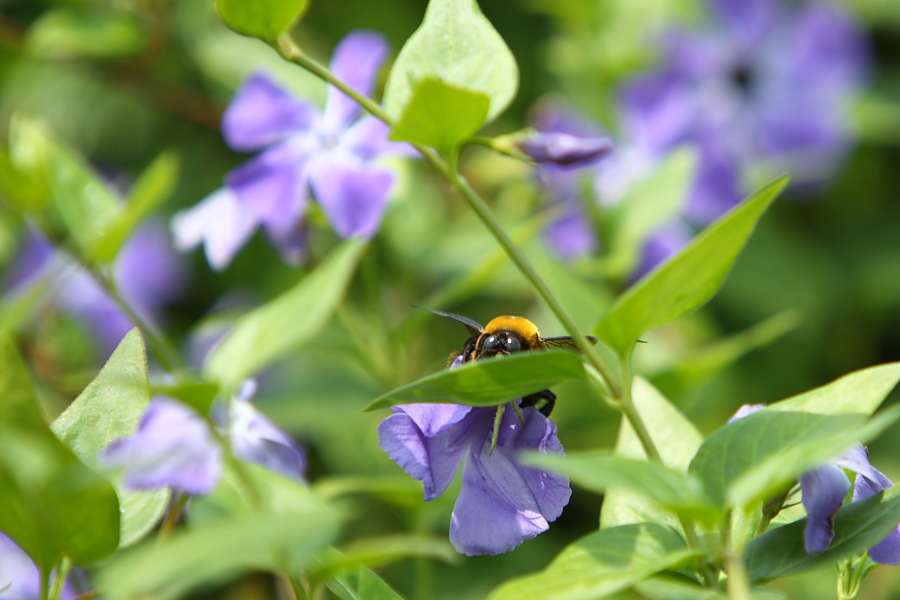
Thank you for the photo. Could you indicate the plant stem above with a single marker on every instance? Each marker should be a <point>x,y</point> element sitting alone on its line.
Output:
<point>166,528</point>
<point>59,580</point>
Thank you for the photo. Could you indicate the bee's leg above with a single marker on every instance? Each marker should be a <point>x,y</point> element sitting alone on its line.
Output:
<point>498,416</point>
<point>543,401</point>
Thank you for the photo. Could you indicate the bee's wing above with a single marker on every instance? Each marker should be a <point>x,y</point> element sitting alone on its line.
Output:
<point>566,343</point>
<point>473,326</point>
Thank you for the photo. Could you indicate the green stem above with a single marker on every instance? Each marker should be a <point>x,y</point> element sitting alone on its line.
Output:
<point>738,579</point>
<point>59,579</point>
<point>172,517</point>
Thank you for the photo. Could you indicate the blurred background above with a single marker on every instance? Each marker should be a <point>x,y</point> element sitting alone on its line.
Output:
<point>815,295</point>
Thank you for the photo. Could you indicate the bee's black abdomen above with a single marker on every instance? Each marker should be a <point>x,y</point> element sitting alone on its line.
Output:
<point>544,401</point>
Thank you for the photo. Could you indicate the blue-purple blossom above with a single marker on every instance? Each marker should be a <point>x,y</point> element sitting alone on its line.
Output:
<point>19,576</point>
<point>174,446</point>
<point>501,503</point>
<point>330,155</point>
<point>564,149</point>
<point>823,491</point>
<point>766,84</point>
<point>146,272</point>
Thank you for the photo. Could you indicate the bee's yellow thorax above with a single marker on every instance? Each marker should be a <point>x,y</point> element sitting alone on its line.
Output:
<point>525,328</point>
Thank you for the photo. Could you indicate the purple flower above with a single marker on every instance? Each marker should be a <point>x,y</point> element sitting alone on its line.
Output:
<point>19,576</point>
<point>501,503</point>
<point>174,446</point>
<point>571,235</point>
<point>330,154</point>
<point>823,491</point>
<point>765,83</point>
<point>563,149</point>
<point>147,273</point>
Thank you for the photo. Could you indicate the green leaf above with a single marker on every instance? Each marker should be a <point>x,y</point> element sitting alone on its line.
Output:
<point>675,438</point>
<point>110,408</point>
<point>267,333</point>
<point>79,200</point>
<point>383,550</point>
<point>440,115</point>
<point>689,279</point>
<point>216,552</point>
<point>151,189</point>
<point>457,45</point>
<point>85,32</point>
<point>860,392</point>
<point>197,394</point>
<point>491,381</point>
<point>602,471</point>
<point>857,527</point>
<point>761,455</point>
<point>650,204</point>
<point>601,564</point>
<point>264,19</point>
<point>357,583</point>
<point>51,504</point>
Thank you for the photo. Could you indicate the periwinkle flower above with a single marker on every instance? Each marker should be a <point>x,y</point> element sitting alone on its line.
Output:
<point>765,83</point>
<point>562,149</point>
<point>147,274</point>
<point>501,503</point>
<point>330,155</point>
<point>19,576</point>
<point>823,491</point>
<point>174,446</point>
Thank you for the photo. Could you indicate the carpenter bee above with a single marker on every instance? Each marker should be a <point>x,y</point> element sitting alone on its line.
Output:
<point>507,334</point>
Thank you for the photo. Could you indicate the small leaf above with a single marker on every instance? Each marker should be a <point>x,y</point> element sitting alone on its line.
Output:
<point>85,32</point>
<point>689,279</point>
<point>601,471</point>
<point>199,395</point>
<point>215,552</point>
<point>857,527</point>
<point>860,392</point>
<point>150,190</point>
<point>292,319</point>
<point>51,504</point>
<point>601,564</point>
<point>440,115</point>
<point>383,550</point>
<point>357,583</point>
<point>110,408</point>
<point>491,381</point>
<point>457,45</point>
<point>761,455</point>
<point>264,19</point>
<point>676,439</point>
<point>650,204</point>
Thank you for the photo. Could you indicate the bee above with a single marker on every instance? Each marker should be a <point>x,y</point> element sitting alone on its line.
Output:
<point>507,334</point>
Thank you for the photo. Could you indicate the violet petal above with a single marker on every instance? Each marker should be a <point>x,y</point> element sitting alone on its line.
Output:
<point>219,222</point>
<point>356,61</point>
<point>823,491</point>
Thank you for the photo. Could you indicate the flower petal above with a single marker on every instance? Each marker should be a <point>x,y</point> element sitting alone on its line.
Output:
<point>565,150</point>
<point>19,577</point>
<point>432,460</point>
<point>502,503</point>
<point>368,138</point>
<point>745,410</point>
<point>173,447</point>
<point>352,194</point>
<point>750,20</point>
<point>715,189</point>
<point>356,61</point>
<point>823,492</point>
<point>271,187</point>
<point>256,439</point>
<point>261,114</point>
<point>571,236</point>
<point>219,222</point>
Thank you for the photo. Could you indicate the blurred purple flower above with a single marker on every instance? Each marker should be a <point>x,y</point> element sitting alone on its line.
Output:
<point>147,273</point>
<point>174,446</point>
<point>571,235</point>
<point>661,245</point>
<point>765,83</point>
<point>823,491</point>
<point>19,577</point>
<point>563,149</point>
<point>330,154</point>
<point>502,503</point>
